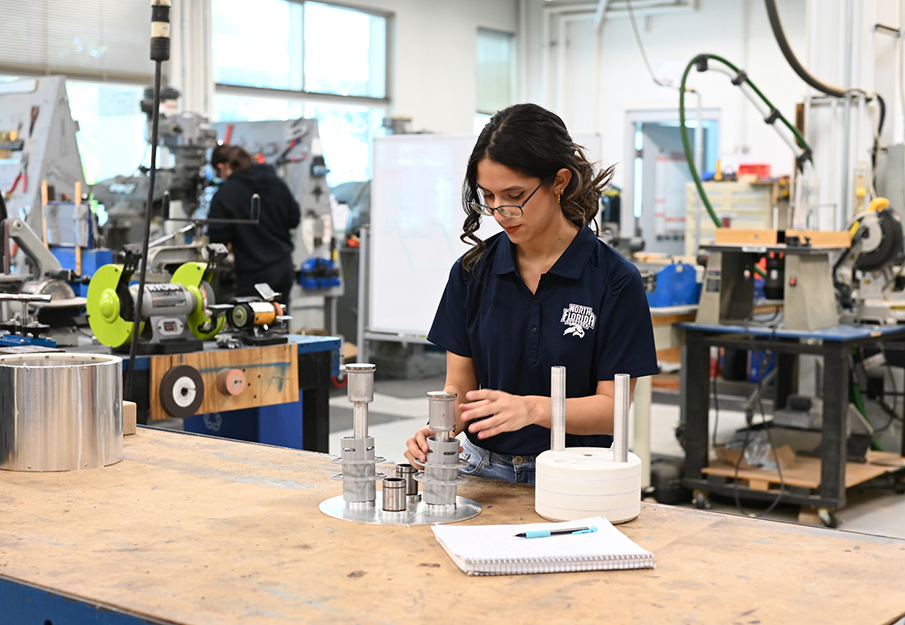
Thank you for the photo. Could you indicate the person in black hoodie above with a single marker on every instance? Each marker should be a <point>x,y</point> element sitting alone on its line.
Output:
<point>264,251</point>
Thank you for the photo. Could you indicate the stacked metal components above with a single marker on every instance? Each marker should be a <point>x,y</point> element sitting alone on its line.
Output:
<point>398,503</point>
<point>441,469</point>
<point>359,474</point>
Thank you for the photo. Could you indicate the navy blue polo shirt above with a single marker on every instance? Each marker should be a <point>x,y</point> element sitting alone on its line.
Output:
<point>590,314</point>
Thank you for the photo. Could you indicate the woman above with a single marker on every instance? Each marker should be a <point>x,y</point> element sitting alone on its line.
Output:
<point>545,292</point>
<point>264,251</point>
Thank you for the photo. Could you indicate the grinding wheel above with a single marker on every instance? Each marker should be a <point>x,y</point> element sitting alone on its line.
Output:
<point>181,391</point>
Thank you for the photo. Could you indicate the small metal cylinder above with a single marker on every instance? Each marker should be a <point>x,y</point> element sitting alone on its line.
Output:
<point>359,473</point>
<point>621,401</point>
<point>441,411</point>
<point>558,408</point>
<point>360,391</point>
<point>406,472</point>
<point>60,412</point>
<point>393,494</point>
<point>360,386</point>
<point>441,472</point>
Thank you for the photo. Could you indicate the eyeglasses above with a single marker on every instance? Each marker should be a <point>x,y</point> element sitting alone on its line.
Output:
<point>506,210</point>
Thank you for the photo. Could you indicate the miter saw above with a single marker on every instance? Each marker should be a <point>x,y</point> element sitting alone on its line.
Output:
<point>868,277</point>
<point>176,317</point>
<point>41,274</point>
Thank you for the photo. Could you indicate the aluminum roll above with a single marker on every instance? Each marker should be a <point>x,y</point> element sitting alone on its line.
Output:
<point>393,494</point>
<point>407,473</point>
<point>60,412</point>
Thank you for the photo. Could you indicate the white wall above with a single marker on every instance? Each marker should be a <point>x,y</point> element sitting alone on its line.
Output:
<point>737,30</point>
<point>434,70</point>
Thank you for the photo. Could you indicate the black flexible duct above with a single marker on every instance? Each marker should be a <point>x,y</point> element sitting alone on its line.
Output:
<point>805,75</point>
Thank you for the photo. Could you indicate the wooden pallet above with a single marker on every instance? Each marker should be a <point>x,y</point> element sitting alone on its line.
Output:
<point>806,472</point>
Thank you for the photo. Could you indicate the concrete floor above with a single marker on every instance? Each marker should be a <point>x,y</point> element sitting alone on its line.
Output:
<point>400,408</point>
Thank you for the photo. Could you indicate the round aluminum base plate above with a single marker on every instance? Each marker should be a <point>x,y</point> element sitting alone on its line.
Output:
<point>416,512</point>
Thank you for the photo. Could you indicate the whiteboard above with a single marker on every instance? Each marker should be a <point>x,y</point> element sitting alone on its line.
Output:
<point>416,220</point>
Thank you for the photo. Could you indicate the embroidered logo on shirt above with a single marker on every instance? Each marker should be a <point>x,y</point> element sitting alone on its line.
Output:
<point>578,319</point>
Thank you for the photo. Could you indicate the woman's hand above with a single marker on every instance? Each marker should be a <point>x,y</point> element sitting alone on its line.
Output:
<point>416,448</point>
<point>504,412</point>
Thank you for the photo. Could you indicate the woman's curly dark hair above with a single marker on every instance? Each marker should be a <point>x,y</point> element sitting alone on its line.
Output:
<point>533,141</point>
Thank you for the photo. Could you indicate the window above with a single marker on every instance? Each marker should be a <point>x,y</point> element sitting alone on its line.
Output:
<point>259,47</point>
<point>112,128</point>
<point>345,51</point>
<point>347,134</point>
<point>291,58</point>
<point>496,70</point>
<point>100,40</point>
<point>310,47</point>
<point>240,108</point>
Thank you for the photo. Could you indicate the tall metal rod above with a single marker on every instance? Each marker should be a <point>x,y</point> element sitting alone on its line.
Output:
<point>558,408</point>
<point>620,417</point>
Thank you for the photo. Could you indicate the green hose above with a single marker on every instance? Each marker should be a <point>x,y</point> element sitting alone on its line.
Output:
<point>686,144</point>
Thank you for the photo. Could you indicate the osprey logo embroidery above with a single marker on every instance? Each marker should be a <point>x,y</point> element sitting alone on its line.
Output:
<point>578,319</point>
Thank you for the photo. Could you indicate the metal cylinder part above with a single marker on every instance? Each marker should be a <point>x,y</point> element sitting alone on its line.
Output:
<point>393,494</point>
<point>359,474</point>
<point>441,411</point>
<point>558,408</point>
<point>406,472</point>
<point>360,391</point>
<point>60,412</point>
<point>621,400</point>
<point>360,382</point>
<point>441,472</point>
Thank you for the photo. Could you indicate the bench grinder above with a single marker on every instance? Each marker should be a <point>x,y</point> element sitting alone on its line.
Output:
<point>176,317</point>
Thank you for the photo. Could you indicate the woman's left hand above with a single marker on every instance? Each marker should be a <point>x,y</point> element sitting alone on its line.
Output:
<point>504,412</point>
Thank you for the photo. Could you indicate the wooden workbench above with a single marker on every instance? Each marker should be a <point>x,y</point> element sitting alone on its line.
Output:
<point>190,529</point>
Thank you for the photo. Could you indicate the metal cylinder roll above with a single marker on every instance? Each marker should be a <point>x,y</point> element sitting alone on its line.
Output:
<point>407,472</point>
<point>558,408</point>
<point>441,410</point>
<point>441,471</point>
<point>621,402</point>
<point>359,473</point>
<point>360,391</point>
<point>60,412</point>
<point>360,382</point>
<point>393,494</point>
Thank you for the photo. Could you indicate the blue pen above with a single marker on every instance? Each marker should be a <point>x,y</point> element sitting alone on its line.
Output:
<point>545,533</point>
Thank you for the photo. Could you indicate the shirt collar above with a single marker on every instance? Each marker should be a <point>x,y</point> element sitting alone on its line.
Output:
<point>569,265</point>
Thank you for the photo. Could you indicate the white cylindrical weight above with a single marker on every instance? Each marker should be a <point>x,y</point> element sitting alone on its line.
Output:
<point>579,482</point>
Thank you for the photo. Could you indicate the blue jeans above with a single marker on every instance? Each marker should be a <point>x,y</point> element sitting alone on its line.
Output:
<point>484,463</point>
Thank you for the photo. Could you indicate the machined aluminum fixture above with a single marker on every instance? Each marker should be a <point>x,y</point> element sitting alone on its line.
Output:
<point>620,417</point>
<point>441,473</point>
<point>441,410</point>
<point>558,408</point>
<point>360,391</point>
<point>394,494</point>
<point>60,411</point>
<point>358,460</point>
<point>407,473</point>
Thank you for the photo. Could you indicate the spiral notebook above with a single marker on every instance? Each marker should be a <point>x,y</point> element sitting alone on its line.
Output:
<point>496,550</point>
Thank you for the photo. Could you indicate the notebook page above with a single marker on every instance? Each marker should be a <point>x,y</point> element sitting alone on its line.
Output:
<point>488,544</point>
